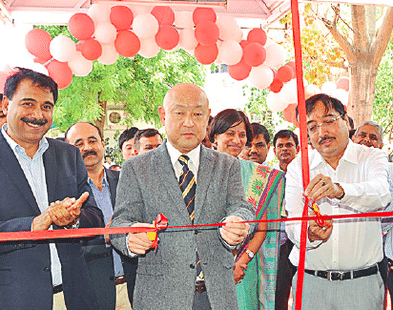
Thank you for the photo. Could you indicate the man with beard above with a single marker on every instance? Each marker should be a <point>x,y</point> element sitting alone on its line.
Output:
<point>105,264</point>
<point>258,149</point>
<point>44,186</point>
<point>286,147</point>
<point>342,256</point>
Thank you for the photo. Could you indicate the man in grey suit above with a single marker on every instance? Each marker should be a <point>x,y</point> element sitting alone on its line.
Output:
<point>148,185</point>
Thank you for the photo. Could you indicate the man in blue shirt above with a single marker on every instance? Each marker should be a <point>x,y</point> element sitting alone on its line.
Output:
<point>105,264</point>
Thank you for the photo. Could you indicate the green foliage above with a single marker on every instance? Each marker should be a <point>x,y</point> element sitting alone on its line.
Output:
<point>138,84</point>
<point>257,105</point>
<point>383,101</point>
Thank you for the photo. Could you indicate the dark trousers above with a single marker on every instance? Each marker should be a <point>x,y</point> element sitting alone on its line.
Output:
<point>201,302</point>
<point>285,273</point>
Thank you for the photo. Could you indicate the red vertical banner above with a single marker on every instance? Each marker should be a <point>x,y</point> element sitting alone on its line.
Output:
<point>303,147</point>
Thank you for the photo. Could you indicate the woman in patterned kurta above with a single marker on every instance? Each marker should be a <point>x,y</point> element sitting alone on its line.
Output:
<point>229,131</point>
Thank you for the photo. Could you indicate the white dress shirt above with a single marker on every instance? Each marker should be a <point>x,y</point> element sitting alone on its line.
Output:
<point>354,243</point>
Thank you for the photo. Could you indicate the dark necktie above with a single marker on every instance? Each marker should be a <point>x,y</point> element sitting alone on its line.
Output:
<point>188,187</point>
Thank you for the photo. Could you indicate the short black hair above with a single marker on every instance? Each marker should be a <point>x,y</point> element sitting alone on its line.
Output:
<point>36,78</point>
<point>95,126</point>
<point>149,132</point>
<point>106,156</point>
<point>227,119</point>
<point>259,129</point>
<point>286,133</point>
<point>351,123</point>
<point>1,111</point>
<point>127,135</point>
<point>329,102</point>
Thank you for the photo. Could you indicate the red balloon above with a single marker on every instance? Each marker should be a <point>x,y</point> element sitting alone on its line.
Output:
<point>292,64</point>
<point>244,43</point>
<point>81,26</point>
<point>127,43</point>
<point>91,49</point>
<point>39,60</point>
<point>285,74</point>
<point>276,85</point>
<point>203,15</point>
<point>121,17</point>
<point>206,54</point>
<point>289,111</point>
<point>164,15</point>
<point>257,35</point>
<point>37,43</point>
<point>343,83</point>
<point>254,54</point>
<point>60,73</point>
<point>240,71</point>
<point>207,33</point>
<point>167,37</point>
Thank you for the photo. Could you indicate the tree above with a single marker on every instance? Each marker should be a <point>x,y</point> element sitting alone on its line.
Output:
<point>383,102</point>
<point>138,84</point>
<point>363,41</point>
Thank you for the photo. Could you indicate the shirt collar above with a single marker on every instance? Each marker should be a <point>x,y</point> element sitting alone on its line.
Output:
<point>104,181</point>
<point>350,155</point>
<point>16,148</point>
<point>174,154</point>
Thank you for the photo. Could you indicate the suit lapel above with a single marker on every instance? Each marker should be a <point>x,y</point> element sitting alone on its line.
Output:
<point>205,173</point>
<point>113,178</point>
<point>167,176</point>
<point>12,167</point>
<point>50,165</point>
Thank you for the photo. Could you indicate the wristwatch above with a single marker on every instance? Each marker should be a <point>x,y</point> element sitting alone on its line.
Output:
<point>250,254</point>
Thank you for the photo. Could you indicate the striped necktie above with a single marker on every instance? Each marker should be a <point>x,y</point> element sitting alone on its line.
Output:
<point>188,187</point>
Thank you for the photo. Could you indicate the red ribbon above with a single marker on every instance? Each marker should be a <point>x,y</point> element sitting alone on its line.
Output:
<point>161,222</point>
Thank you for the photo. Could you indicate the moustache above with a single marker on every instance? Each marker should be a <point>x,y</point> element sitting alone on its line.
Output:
<point>39,122</point>
<point>89,153</point>
<point>325,138</point>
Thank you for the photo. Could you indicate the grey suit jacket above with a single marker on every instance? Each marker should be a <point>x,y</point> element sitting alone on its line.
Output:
<point>166,278</point>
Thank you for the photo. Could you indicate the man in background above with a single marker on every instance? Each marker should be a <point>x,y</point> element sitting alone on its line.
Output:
<point>258,149</point>
<point>107,268</point>
<point>286,147</point>
<point>126,142</point>
<point>146,140</point>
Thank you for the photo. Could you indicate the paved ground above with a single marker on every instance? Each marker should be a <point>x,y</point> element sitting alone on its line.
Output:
<point>122,302</point>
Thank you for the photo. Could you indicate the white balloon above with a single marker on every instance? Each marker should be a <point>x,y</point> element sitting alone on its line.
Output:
<point>62,48</point>
<point>139,9</point>
<point>100,13</point>
<point>183,19</point>
<point>109,54</point>
<point>79,65</point>
<point>289,92</point>
<point>149,48</point>
<point>328,88</point>
<point>230,52</point>
<point>145,25</point>
<point>311,90</point>
<point>187,39</point>
<point>239,35</point>
<point>105,33</point>
<point>228,27</point>
<point>341,95</point>
<point>261,76</point>
<point>275,55</point>
<point>275,102</point>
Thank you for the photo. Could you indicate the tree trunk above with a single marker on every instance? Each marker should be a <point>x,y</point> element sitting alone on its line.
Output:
<point>362,76</point>
<point>100,123</point>
<point>364,53</point>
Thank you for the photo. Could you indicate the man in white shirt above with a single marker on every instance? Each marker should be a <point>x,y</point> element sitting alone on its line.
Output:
<point>346,178</point>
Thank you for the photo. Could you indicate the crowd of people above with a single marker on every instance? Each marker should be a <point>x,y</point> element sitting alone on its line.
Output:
<point>207,170</point>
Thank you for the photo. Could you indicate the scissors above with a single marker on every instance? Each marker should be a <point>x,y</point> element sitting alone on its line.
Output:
<point>320,222</point>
